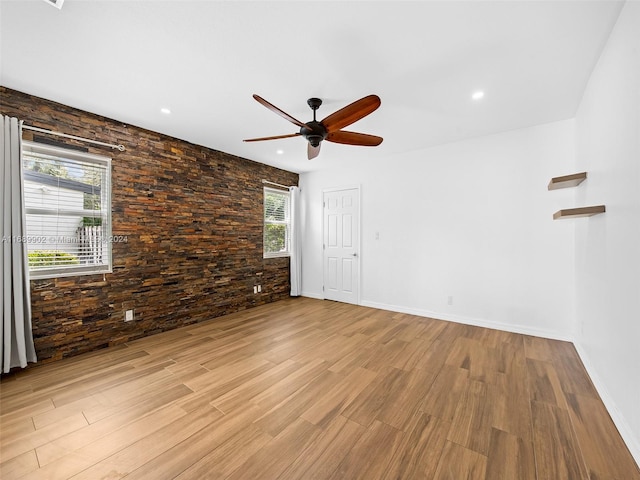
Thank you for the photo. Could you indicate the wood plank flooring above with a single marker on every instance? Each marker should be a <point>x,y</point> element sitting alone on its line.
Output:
<point>310,389</point>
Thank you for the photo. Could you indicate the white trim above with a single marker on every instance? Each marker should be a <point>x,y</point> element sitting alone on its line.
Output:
<point>312,295</point>
<point>60,272</point>
<point>287,193</point>
<point>625,430</point>
<point>337,189</point>
<point>276,255</point>
<point>359,266</point>
<point>477,322</point>
<point>103,162</point>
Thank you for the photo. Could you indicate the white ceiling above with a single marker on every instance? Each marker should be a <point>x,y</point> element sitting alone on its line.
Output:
<point>204,59</point>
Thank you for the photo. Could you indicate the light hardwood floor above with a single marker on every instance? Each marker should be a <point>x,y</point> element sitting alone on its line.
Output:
<point>310,389</point>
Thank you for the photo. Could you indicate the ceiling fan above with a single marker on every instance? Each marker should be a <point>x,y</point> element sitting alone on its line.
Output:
<point>330,128</point>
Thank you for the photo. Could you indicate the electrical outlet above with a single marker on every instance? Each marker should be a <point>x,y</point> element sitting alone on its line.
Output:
<point>255,289</point>
<point>259,288</point>
<point>128,316</point>
<point>450,300</point>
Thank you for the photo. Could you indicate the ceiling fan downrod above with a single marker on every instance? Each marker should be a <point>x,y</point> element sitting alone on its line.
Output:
<point>314,131</point>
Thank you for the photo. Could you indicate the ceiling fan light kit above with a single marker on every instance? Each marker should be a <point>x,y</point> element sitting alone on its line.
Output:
<point>330,128</point>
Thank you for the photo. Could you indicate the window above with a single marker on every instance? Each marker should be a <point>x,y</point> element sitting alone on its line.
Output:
<point>277,223</point>
<point>67,198</point>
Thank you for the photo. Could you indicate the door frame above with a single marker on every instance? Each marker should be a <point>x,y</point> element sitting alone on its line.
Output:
<point>359,243</point>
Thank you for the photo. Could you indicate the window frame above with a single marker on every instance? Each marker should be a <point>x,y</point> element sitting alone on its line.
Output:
<point>102,162</point>
<point>287,223</point>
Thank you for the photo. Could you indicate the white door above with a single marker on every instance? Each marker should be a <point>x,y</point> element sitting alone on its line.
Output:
<point>341,245</point>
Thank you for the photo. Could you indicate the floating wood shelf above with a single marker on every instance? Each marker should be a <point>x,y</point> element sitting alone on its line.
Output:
<point>567,181</point>
<point>579,212</point>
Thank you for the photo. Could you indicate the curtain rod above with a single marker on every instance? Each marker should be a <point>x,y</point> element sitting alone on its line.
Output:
<point>73,137</point>
<point>276,184</point>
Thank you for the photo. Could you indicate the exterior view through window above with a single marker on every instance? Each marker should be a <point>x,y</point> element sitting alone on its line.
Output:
<point>68,206</point>
<point>277,222</point>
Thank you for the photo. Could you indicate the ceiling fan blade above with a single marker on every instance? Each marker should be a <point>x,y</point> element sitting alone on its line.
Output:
<point>275,109</point>
<point>276,137</point>
<point>351,113</point>
<point>354,138</point>
<point>313,152</point>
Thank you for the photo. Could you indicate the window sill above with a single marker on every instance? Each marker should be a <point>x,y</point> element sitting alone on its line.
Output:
<point>277,255</point>
<point>39,275</point>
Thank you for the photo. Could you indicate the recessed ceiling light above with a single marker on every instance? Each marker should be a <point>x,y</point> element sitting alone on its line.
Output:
<point>279,151</point>
<point>477,95</point>
<point>165,110</point>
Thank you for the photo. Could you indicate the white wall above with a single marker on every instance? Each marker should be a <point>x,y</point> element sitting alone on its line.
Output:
<point>608,245</point>
<point>471,220</point>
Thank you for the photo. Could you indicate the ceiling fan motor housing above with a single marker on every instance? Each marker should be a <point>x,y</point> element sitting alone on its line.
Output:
<point>314,132</point>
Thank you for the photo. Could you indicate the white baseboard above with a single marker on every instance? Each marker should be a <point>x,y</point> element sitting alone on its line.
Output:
<point>626,432</point>
<point>312,295</point>
<point>477,322</point>
<point>623,427</point>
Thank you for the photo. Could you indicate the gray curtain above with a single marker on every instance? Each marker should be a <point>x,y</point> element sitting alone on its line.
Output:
<point>17,337</point>
<point>295,261</point>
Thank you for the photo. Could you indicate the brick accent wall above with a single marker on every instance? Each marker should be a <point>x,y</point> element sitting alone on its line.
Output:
<point>192,217</point>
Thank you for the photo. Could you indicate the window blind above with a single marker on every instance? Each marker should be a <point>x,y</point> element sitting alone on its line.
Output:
<point>277,222</point>
<point>68,211</point>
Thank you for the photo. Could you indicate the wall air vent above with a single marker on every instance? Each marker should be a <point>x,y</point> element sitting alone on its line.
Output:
<point>55,3</point>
